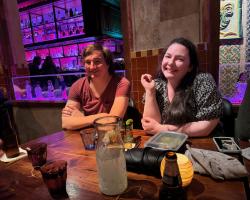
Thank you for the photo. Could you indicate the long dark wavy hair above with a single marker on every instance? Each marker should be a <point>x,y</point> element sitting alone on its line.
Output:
<point>36,61</point>
<point>179,110</point>
<point>106,54</point>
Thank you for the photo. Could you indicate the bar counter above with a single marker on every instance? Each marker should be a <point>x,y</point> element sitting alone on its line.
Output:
<point>18,180</point>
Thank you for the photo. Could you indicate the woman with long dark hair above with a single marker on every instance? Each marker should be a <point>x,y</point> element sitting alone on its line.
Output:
<point>181,99</point>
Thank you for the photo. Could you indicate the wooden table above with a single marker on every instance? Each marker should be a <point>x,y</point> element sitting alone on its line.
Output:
<point>18,181</point>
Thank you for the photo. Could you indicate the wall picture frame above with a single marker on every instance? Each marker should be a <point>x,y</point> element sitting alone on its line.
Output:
<point>230,19</point>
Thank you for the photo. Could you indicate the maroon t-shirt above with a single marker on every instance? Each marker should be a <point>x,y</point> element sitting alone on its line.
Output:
<point>80,92</point>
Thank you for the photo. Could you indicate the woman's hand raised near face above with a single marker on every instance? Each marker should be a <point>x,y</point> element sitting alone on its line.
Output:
<point>147,82</point>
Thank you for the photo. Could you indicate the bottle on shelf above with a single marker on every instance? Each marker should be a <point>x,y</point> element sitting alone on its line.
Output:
<point>38,91</point>
<point>50,89</point>
<point>22,24</point>
<point>51,17</point>
<point>58,14</point>
<point>77,30</point>
<point>74,30</point>
<point>71,14</point>
<point>76,11</point>
<point>28,88</point>
<point>66,13</point>
<point>64,94</point>
<point>171,188</point>
<point>70,31</point>
<point>63,16</point>
<point>63,88</point>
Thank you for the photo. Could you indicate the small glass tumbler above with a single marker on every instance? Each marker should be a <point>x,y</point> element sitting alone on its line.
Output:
<point>37,154</point>
<point>54,175</point>
<point>127,134</point>
<point>88,136</point>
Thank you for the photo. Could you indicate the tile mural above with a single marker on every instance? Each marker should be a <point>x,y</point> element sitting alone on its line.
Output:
<point>229,54</point>
<point>229,75</point>
<point>248,33</point>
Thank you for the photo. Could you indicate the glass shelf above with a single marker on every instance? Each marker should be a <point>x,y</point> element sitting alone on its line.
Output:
<point>52,87</point>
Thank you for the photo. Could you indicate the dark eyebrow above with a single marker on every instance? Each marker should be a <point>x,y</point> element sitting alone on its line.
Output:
<point>98,58</point>
<point>180,56</point>
<point>177,56</point>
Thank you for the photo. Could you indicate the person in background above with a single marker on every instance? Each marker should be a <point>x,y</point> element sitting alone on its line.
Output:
<point>48,68</point>
<point>181,99</point>
<point>35,69</point>
<point>100,93</point>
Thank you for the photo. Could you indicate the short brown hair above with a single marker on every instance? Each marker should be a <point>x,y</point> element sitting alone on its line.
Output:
<point>106,54</point>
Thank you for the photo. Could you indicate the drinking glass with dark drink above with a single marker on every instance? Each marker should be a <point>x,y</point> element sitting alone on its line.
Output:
<point>54,176</point>
<point>37,154</point>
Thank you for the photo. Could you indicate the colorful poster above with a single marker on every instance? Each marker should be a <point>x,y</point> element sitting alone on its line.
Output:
<point>230,19</point>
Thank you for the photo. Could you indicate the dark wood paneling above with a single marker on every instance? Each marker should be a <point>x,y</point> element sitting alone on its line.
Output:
<point>6,58</point>
<point>210,34</point>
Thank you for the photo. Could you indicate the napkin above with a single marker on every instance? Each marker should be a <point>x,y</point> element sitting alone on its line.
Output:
<point>22,154</point>
<point>216,164</point>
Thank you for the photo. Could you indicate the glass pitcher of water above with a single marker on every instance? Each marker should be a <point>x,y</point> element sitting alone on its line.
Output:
<point>111,164</point>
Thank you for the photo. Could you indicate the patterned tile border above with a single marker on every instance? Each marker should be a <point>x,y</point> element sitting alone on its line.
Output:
<point>229,54</point>
<point>228,76</point>
<point>248,33</point>
<point>145,53</point>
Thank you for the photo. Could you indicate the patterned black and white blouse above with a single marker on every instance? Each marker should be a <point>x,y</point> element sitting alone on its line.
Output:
<point>206,100</point>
